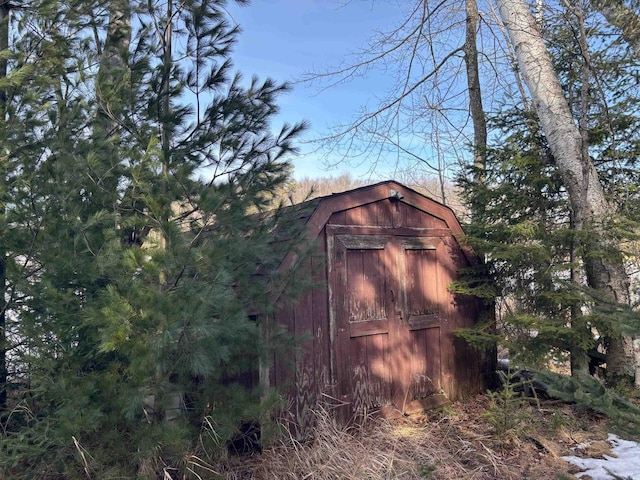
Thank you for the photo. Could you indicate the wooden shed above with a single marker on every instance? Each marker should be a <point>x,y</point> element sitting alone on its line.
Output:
<point>379,331</point>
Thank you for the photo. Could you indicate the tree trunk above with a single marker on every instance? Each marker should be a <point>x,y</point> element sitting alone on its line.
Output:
<point>110,91</point>
<point>475,92</point>
<point>586,195</point>
<point>113,68</point>
<point>4,45</point>
<point>622,17</point>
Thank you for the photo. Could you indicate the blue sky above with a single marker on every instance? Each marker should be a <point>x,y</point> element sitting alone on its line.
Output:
<point>284,39</point>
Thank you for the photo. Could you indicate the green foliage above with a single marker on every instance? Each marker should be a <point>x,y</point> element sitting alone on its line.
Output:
<point>522,223</point>
<point>524,232</point>
<point>589,393</point>
<point>426,471</point>
<point>136,183</point>
<point>505,412</point>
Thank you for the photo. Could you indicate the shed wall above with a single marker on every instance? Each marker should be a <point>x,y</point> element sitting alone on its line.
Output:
<point>314,373</point>
<point>302,373</point>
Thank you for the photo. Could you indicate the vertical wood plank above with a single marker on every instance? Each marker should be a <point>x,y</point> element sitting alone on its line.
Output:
<point>420,383</point>
<point>284,370</point>
<point>429,221</point>
<point>320,302</point>
<point>434,358</point>
<point>414,217</point>
<point>359,376</point>
<point>285,366</point>
<point>448,351</point>
<point>305,378</point>
<point>385,213</point>
<point>354,285</point>
<point>373,285</point>
<point>266,365</point>
<point>340,347</point>
<point>423,288</point>
<point>423,309</point>
<point>399,338</point>
<point>369,214</point>
<point>353,216</point>
<point>377,356</point>
<point>338,218</point>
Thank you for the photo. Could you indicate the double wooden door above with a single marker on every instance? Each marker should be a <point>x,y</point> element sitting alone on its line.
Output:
<point>389,296</point>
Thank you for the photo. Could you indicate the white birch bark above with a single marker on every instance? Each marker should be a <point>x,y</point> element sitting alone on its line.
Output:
<point>585,191</point>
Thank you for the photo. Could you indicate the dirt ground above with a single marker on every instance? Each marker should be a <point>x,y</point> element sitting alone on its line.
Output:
<point>480,438</point>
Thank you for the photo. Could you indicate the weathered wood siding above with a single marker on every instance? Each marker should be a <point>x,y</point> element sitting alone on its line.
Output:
<point>302,374</point>
<point>379,329</point>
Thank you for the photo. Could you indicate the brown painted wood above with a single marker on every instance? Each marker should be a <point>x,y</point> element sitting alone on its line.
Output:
<point>378,358</point>
<point>284,373</point>
<point>340,352</point>
<point>353,216</point>
<point>305,374</point>
<point>385,214</point>
<point>359,377</point>
<point>369,214</point>
<point>396,231</point>
<point>414,217</point>
<point>424,321</point>
<point>447,273</point>
<point>381,327</point>
<point>338,218</point>
<point>422,306</point>
<point>421,358</point>
<point>380,192</point>
<point>434,356</point>
<point>362,312</point>
<point>399,336</point>
<point>320,308</point>
<point>370,327</point>
<point>391,291</point>
<point>364,242</point>
<point>422,286</point>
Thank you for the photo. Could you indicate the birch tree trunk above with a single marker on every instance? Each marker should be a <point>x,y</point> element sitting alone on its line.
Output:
<point>586,195</point>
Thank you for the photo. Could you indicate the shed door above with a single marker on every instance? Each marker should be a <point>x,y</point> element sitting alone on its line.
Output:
<point>422,304</point>
<point>387,319</point>
<point>364,313</point>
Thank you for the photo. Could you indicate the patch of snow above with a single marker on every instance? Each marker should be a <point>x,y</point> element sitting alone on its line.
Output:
<point>625,462</point>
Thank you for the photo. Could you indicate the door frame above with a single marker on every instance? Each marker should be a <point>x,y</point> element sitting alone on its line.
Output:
<point>397,239</point>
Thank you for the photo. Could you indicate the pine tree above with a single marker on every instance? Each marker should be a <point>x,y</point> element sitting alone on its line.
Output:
<point>4,44</point>
<point>137,206</point>
<point>523,227</point>
<point>569,141</point>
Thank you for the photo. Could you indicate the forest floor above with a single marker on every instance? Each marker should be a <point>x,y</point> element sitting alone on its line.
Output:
<point>479,438</point>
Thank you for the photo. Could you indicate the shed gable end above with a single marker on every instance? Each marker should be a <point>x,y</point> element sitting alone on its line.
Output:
<point>387,214</point>
<point>379,326</point>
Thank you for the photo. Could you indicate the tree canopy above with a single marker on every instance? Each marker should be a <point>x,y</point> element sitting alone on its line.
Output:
<point>135,165</point>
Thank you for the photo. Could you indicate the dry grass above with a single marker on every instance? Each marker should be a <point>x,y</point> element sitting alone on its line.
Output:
<point>454,443</point>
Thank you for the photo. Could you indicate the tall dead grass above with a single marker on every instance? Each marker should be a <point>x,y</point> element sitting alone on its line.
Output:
<point>377,449</point>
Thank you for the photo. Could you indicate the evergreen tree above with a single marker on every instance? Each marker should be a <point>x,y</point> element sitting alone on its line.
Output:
<point>526,226</point>
<point>523,228</point>
<point>4,44</point>
<point>137,168</point>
